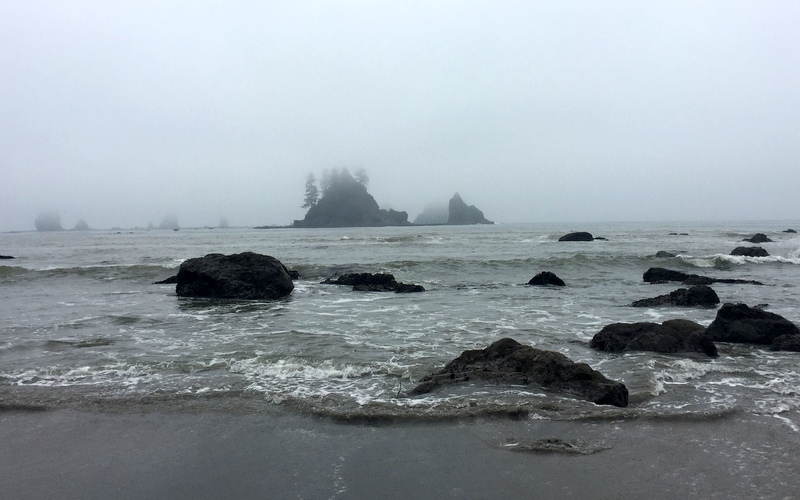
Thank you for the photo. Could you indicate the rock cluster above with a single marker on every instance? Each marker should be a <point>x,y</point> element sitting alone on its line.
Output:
<point>753,325</point>
<point>661,275</point>
<point>671,336</point>
<point>368,282</point>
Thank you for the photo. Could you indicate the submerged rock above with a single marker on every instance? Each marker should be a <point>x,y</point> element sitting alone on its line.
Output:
<point>368,282</point>
<point>758,238</point>
<point>672,336</point>
<point>546,278</point>
<point>662,254</point>
<point>750,252</point>
<point>577,236</point>
<point>245,275</point>
<point>509,362</point>
<point>750,325</point>
<point>696,296</point>
<point>661,275</point>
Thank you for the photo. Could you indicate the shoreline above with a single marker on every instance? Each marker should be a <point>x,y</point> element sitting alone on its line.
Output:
<point>68,453</point>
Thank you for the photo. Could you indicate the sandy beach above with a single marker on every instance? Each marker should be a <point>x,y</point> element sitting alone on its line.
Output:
<point>76,454</point>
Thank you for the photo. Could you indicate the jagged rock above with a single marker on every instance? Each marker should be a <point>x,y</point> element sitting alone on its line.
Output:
<point>672,336</point>
<point>662,275</point>
<point>662,254</point>
<point>696,296</point>
<point>758,238</point>
<point>460,214</point>
<point>245,275</point>
<point>742,324</point>
<point>577,236</point>
<point>368,282</point>
<point>546,278</point>
<point>750,252</point>
<point>509,362</point>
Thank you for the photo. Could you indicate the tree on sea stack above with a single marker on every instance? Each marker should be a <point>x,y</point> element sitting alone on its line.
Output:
<point>312,193</point>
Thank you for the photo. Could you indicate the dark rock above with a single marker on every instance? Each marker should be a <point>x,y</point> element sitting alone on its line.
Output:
<point>750,252</point>
<point>742,324</point>
<point>786,343</point>
<point>509,362</point>
<point>758,238</point>
<point>696,296</point>
<point>245,275</point>
<point>661,275</point>
<point>295,275</point>
<point>368,282</point>
<point>672,336</point>
<point>600,238</point>
<point>169,281</point>
<point>577,236</point>
<point>790,231</point>
<point>460,214</point>
<point>5,257</point>
<point>662,254</point>
<point>546,278</point>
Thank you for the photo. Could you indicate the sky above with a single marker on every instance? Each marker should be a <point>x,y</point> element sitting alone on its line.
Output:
<point>120,113</point>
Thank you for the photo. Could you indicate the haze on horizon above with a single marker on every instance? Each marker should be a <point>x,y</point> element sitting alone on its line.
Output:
<point>120,113</point>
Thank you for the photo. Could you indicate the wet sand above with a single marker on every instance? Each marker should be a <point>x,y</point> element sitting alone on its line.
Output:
<point>76,454</point>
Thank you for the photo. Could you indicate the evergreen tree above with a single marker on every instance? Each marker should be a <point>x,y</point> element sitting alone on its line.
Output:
<point>312,193</point>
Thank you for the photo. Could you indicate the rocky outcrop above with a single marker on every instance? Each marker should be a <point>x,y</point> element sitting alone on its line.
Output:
<point>81,225</point>
<point>662,275</point>
<point>48,221</point>
<point>546,278</point>
<point>750,252</point>
<point>460,214</point>
<point>758,238</point>
<point>509,362</point>
<point>245,275</point>
<point>368,282</point>
<point>577,236</point>
<point>346,203</point>
<point>670,337</point>
<point>433,214</point>
<point>751,325</point>
<point>696,296</point>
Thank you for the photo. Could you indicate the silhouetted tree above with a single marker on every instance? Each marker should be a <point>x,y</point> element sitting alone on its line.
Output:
<point>312,193</point>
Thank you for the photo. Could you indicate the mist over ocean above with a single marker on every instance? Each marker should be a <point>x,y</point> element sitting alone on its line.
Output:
<point>81,319</point>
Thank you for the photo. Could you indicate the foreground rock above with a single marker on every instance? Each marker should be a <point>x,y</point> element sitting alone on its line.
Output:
<point>758,238</point>
<point>546,278</point>
<point>577,236</point>
<point>696,296</point>
<point>509,362</point>
<point>368,282</point>
<point>750,252</point>
<point>670,337</point>
<point>753,325</point>
<point>661,275</point>
<point>245,275</point>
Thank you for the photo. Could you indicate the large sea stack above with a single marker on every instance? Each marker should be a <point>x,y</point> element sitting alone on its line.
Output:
<point>245,275</point>
<point>461,214</point>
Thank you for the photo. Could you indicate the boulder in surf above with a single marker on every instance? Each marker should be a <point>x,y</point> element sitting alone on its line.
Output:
<point>246,275</point>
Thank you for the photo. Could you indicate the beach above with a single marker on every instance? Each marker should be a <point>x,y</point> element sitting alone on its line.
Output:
<point>274,454</point>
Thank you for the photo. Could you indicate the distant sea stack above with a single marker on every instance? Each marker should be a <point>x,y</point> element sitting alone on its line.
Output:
<point>48,221</point>
<point>81,226</point>
<point>345,202</point>
<point>169,222</point>
<point>461,214</point>
<point>435,213</point>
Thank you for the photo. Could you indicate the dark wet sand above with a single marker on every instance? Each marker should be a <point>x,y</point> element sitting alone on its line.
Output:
<point>74,454</point>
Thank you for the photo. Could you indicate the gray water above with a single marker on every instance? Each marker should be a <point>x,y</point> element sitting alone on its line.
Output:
<point>80,318</point>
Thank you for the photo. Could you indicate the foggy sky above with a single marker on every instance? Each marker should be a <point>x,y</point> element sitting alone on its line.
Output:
<point>122,112</point>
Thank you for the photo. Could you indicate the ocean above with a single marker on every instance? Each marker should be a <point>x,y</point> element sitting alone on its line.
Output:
<point>85,327</point>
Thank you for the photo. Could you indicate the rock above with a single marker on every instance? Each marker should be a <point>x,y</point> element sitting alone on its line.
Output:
<point>546,278</point>
<point>661,275</point>
<point>786,343</point>
<point>790,230</point>
<point>661,254</point>
<point>577,236</point>
<point>48,221</point>
<point>169,281</point>
<point>245,275</point>
<point>460,214</point>
<point>509,362</point>
<point>672,336</point>
<point>750,252</point>
<point>758,238</point>
<point>81,225</point>
<point>433,214</point>
<point>696,296</point>
<point>368,282</point>
<point>742,324</point>
<point>294,274</point>
<point>5,257</point>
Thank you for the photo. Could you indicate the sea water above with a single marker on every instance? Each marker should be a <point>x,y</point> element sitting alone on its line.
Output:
<point>81,320</point>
